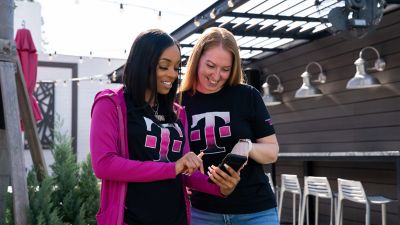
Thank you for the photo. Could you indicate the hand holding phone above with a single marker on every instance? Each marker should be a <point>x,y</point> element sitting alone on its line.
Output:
<point>232,160</point>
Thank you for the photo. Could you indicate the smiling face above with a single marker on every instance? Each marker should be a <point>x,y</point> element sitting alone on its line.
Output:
<point>167,70</point>
<point>214,69</point>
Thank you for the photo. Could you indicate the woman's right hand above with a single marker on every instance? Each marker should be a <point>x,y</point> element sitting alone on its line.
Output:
<point>189,163</point>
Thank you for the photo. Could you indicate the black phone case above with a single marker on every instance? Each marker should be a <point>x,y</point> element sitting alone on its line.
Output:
<point>233,160</point>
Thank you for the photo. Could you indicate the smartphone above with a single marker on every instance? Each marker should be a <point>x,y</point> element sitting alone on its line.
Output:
<point>232,160</point>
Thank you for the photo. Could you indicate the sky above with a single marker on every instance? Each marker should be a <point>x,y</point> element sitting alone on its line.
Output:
<point>78,27</point>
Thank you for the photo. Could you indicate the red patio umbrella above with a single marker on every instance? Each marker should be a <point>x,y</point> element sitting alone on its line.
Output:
<point>29,60</point>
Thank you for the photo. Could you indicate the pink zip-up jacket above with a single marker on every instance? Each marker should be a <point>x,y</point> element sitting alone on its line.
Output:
<point>111,164</point>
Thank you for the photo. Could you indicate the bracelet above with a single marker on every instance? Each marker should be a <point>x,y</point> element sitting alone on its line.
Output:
<point>248,142</point>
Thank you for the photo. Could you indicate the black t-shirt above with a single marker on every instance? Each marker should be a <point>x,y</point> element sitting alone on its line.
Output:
<point>159,202</point>
<point>216,123</point>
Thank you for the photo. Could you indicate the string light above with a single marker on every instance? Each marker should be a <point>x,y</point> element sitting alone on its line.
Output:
<point>213,14</point>
<point>101,78</point>
<point>80,60</point>
<point>122,53</point>
<point>231,3</point>
<point>114,76</point>
<point>123,6</point>
<point>196,22</point>
<point>159,15</point>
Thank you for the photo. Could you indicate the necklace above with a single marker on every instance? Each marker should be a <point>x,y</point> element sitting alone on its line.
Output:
<point>156,115</point>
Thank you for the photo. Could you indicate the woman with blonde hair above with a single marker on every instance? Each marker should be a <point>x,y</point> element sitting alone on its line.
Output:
<point>227,116</point>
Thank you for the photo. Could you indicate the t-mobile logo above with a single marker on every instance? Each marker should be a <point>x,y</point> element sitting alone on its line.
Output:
<point>209,130</point>
<point>151,140</point>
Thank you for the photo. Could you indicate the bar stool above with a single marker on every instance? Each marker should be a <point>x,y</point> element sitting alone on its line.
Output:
<point>353,191</point>
<point>320,188</point>
<point>290,183</point>
<point>274,188</point>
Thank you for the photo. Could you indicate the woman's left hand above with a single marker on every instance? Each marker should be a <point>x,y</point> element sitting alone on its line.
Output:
<point>226,182</point>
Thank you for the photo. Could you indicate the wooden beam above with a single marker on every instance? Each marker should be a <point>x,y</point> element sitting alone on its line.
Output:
<point>276,17</point>
<point>204,19</point>
<point>243,48</point>
<point>30,127</point>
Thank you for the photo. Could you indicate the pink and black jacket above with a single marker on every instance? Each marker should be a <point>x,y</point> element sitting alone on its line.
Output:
<point>111,164</point>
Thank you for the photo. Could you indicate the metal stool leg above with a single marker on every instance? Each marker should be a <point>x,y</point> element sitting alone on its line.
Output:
<point>302,209</point>
<point>332,211</point>
<point>316,210</point>
<point>280,205</point>
<point>339,213</point>
<point>294,209</point>
<point>383,214</point>
<point>298,219</point>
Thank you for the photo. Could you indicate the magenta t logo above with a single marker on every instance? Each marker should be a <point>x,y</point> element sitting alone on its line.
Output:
<point>151,140</point>
<point>210,129</point>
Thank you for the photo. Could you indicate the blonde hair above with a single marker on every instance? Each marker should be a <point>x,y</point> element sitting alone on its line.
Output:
<point>213,37</point>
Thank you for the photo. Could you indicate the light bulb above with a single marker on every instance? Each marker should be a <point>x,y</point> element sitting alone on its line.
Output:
<point>231,3</point>
<point>159,15</point>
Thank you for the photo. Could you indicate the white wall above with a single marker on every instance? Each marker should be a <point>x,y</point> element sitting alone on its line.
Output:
<point>30,12</point>
<point>86,93</point>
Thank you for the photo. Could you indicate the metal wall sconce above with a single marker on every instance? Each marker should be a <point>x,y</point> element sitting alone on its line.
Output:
<point>307,89</point>
<point>268,98</point>
<point>362,79</point>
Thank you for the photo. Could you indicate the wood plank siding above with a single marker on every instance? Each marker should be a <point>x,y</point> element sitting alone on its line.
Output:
<point>342,120</point>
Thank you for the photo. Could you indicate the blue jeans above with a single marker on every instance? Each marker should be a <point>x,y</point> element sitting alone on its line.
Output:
<point>267,217</point>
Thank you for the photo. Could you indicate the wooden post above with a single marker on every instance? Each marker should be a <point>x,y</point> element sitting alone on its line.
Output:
<point>4,174</point>
<point>12,163</point>
<point>6,31</point>
<point>14,147</point>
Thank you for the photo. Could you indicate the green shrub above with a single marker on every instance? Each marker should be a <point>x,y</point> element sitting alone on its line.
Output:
<point>70,195</point>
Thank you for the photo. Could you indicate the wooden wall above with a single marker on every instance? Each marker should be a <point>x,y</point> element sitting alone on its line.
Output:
<point>342,120</point>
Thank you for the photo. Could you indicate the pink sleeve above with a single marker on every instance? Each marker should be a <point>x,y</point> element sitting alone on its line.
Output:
<point>199,182</point>
<point>106,159</point>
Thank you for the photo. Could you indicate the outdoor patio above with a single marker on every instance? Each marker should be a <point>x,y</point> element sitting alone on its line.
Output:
<point>330,82</point>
